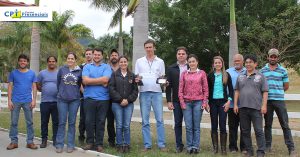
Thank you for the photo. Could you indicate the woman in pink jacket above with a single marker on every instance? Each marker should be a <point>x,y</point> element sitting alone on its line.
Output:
<point>193,96</point>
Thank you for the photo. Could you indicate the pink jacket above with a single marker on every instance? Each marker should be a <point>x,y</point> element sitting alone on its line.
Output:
<point>193,86</point>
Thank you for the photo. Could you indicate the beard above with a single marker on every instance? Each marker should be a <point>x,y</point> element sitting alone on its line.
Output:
<point>272,63</point>
<point>114,61</point>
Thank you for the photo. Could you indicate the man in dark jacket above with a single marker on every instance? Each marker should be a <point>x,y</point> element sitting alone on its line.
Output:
<point>173,74</point>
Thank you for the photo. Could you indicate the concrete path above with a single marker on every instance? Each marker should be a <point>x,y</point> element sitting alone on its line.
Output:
<point>22,151</point>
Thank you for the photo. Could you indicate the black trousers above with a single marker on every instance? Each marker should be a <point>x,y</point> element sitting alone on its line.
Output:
<point>47,109</point>
<point>95,111</point>
<point>81,126</point>
<point>111,131</point>
<point>233,123</point>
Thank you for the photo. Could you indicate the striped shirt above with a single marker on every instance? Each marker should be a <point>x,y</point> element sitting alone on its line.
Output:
<point>276,78</point>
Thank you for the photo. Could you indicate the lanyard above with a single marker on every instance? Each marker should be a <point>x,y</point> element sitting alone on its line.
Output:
<point>150,65</point>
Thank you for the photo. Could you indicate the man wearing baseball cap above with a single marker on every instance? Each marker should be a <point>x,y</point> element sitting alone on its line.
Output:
<point>278,82</point>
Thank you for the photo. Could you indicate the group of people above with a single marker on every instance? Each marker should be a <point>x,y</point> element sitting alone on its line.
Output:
<point>108,91</point>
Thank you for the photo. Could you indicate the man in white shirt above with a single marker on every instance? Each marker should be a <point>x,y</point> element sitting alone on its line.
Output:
<point>150,68</point>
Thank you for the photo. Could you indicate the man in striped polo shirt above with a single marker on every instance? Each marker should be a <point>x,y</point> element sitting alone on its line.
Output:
<point>278,82</point>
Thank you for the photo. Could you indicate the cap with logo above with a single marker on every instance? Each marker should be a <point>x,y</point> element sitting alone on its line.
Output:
<point>273,52</point>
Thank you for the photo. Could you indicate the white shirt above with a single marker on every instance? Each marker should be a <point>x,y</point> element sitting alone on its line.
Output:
<point>150,71</point>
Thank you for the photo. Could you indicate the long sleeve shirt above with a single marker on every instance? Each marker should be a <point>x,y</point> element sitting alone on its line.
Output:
<point>193,86</point>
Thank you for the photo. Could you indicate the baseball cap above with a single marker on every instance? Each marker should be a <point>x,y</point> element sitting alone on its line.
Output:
<point>273,51</point>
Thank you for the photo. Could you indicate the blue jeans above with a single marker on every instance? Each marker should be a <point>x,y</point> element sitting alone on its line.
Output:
<point>13,132</point>
<point>192,118</point>
<point>123,118</point>
<point>47,109</point>
<point>66,109</point>
<point>218,116</point>
<point>154,99</point>
<point>280,108</point>
<point>178,117</point>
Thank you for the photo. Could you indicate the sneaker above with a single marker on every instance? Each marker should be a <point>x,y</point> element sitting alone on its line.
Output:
<point>100,149</point>
<point>59,150</point>
<point>70,150</point>
<point>179,149</point>
<point>12,146</point>
<point>195,151</point>
<point>88,147</point>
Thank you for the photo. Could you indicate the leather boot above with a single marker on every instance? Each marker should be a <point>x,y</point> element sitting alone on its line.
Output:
<point>214,138</point>
<point>223,140</point>
<point>44,143</point>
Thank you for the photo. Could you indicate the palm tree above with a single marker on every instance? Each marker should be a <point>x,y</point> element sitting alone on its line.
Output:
<point>35,45</point>
<point>57,31</point>
<point>140,27</point>
<point>109,6</point>
<point>233,42</point>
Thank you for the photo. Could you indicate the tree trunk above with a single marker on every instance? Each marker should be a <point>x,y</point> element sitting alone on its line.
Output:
<point>140,30</point>
<point>35,46</point>
<point>121,45</point>
<point>233,42</point>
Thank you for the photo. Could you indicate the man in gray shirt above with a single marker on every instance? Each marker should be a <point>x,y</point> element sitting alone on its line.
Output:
<point>47,80</point>
<point>251,91</point>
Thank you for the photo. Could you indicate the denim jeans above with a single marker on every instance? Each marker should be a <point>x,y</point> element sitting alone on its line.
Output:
<point>280,108</point>
<point>218,115</point>
<point>13,132</point>
<point>248,115</point>
<point>233,123</point>
<point>95,115</point>
<point>67,110</point>
<point>81,126</point>
<point>123,118</point>
<point>178,117</point>
<point>154,99</point>
<point>192,118</point>
<point>47,109</point>
<point>111,131</point>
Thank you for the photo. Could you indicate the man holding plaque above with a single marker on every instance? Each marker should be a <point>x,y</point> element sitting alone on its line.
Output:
<point>150,70</point>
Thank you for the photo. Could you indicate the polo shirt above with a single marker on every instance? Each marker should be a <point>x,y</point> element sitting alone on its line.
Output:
<point>97,92</point>
<point>234,75</point>
<point>251,90</point>
<point>150,71</point>
<point>276,78</point>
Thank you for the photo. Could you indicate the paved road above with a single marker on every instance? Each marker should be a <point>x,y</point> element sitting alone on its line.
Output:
<point>22,151</point>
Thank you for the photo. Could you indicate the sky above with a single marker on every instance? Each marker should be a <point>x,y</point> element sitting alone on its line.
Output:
<point>97,20</point>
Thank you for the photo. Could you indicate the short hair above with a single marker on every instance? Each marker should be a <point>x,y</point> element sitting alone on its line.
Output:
<point>99,50</point>
<point>51,57</point>
<point>113,51</point>
<point>251,57</point>
<point>149,41</point>
<point>193,56</point>
<point>23,56</point>
<point>72,53</point>
<point>182,48</point>
<point>88,49</point>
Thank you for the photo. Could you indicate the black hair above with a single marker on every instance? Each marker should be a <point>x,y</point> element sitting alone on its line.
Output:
<point>72,53</point>
<point>51,57</point>
<point>23,56</point>
<point>99,50</point>
<point>150,41</point>
<point>88,49</point>
<point>251,57</point>
<point>113,51</point>
<point>193,56</point>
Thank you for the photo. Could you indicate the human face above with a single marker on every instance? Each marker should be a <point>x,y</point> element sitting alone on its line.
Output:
<point>97,56</point>
<point>123,63</point>
<point>193,63</point>
<point>250,65</point>
<point>22,63</point>
<point>88,56</point>
<point>51,63</point>
<point>273,59</point>
<point>181,56</point>
<point>114,58</point>
<point>218,64</point>
<point>149,48</point>
<point>71,60</point>
<point>238,62</point>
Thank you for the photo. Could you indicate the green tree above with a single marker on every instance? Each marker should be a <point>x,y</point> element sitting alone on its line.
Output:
<point>80,31</point>
<point>57,31</point>
<point>109,6</point>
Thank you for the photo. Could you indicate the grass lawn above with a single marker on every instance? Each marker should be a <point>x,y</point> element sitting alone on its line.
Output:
<point>137,142</point>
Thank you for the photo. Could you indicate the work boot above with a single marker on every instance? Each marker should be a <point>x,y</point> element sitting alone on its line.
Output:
<point>223,140</point>
<point>44,143</point>
<point>214,138</point>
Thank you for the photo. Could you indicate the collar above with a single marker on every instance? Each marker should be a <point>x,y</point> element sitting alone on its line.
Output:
<point>189,71</point>
<point>243,70</point>
<point>93,63</point>
<point>180,64</point>
<point>254,73</point>
<point>268,66</point>
<point>155,58</point>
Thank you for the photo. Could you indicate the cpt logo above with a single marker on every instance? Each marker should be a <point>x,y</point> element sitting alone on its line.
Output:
<point>13,14</point>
